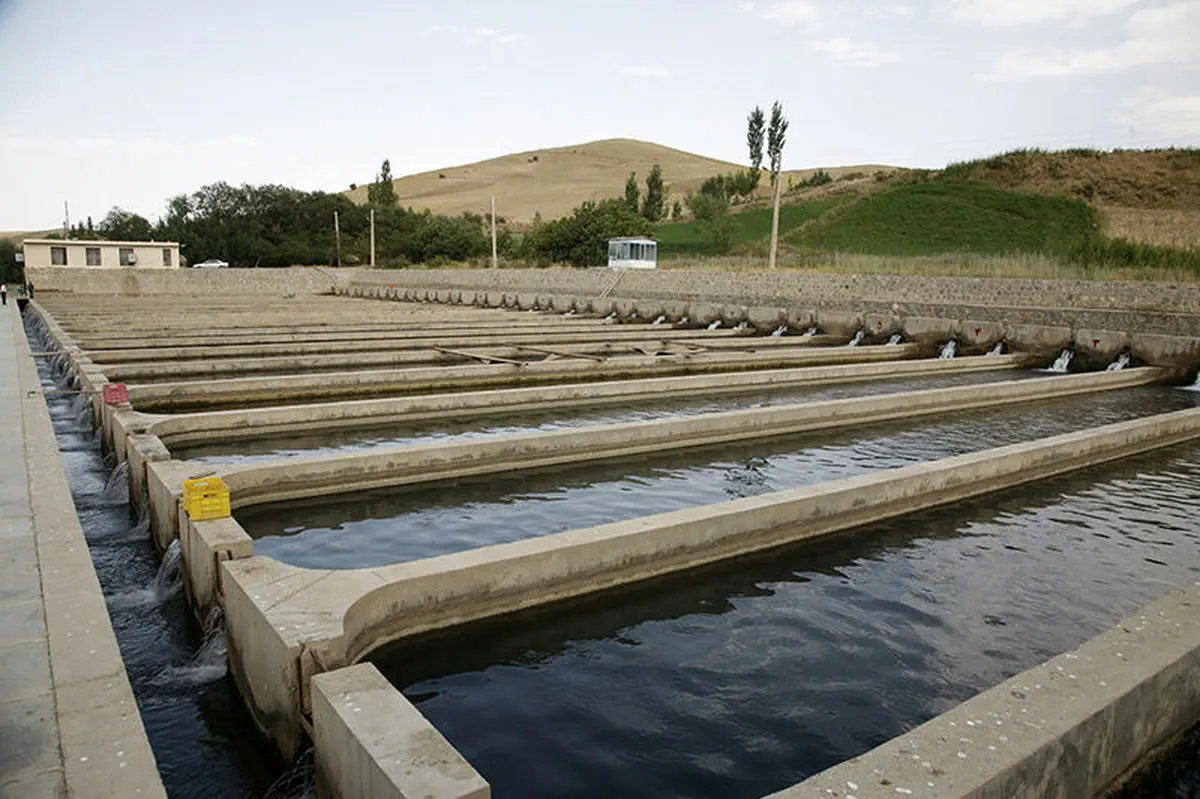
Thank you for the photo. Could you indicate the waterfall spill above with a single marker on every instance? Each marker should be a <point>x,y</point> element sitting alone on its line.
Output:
<point>659,320</point>
<point>779,331</point>
<point>1062,363</point>
<point>895,339</point>
<point>948,350</point>
<point>998,349</point>
<point>715,325</point>
<point>858,337</point>
<point>1120,363</point>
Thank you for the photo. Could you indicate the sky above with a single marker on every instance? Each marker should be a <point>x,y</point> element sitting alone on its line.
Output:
<point>129,102</point>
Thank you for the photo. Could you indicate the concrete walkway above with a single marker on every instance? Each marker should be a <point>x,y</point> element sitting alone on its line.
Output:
<point>69,725</point>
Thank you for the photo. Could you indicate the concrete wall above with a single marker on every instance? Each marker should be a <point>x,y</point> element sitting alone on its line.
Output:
<point>1067,728</point>
<point>371,743</point>
<point>137,282</point>
<point>286,622</point>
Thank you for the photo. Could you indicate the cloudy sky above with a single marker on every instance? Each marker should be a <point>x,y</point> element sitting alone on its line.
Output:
<point>127,102</point>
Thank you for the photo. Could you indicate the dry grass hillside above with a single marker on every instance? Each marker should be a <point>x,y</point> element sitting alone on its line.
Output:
<point>1150,196</point>
<point>553,181</point>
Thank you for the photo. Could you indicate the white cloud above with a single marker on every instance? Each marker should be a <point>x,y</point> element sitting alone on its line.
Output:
<point>1175,116</point>
<point>493,35</point>
<point>645,70</point>
<point>748,6</point>
<point>792,12</point>
<point>1161,35</point>
<point>1004,13</point>
<point>856,54</point>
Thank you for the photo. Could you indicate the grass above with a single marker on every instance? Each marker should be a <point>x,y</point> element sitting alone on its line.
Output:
<point>953,216</point>
<point>747,227</point>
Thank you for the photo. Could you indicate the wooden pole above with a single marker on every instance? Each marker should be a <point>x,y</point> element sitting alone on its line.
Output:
<point>495,260</point>
<point>372,237</point>
<point>775,217</point>
<point>337,237</point>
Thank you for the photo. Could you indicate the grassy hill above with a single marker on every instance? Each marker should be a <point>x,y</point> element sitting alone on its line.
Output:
<point>553,181</point>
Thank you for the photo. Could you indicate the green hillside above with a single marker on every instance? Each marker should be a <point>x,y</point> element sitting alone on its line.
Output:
<point>746,228</point>
<point>933,218</point>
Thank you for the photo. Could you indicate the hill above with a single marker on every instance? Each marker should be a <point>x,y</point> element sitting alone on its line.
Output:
<point>553,181</point>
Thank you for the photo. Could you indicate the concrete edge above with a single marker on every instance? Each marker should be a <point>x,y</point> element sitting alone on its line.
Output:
<point>104,744</point>
<point>1068,727</point>
<point>372,743</point>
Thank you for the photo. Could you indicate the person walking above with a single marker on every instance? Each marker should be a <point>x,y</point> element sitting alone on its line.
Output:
<point>3,294</point>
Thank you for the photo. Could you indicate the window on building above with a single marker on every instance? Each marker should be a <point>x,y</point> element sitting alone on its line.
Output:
<point>125,256</point>
<point>93,256</point>
<point>58,256</point>
<point>166,256</point>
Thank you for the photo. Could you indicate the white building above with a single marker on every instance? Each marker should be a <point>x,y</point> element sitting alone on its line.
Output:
<point>635,253</point>
<point>104,254</point>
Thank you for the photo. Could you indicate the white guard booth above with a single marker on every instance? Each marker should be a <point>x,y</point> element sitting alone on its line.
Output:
<point>635,253</point>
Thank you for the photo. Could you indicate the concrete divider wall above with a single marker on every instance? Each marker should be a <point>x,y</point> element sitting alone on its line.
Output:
<point>1070,727</point>
<point>293,616</point>
<point>137,282</point>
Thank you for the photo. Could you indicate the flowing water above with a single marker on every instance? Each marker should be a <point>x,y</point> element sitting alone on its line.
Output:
<point>1120,363</point>
<point>408,523</point>
<point>355,440</point>
<point>1062,364</point>
<point>858,337</point>
<point>949,349</point>
<point>204,742</point>
<point>744,678</point>
<point>894,339</point>
<point>997,349</point>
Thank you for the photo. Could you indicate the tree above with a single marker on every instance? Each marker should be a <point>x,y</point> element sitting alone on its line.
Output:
<point>754,137</point>
<point>10,270</point>
<point>776,137</point>
<point>122,225</point>
<point>676,210</point>
<point>631,192</point>
<point>654,206</point>
<point>712,208</point>
<point>754,141</point>
<point>582,238</point>
<point>382,193</point>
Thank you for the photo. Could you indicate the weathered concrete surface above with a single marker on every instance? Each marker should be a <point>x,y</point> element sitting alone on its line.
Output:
<point>136,282</point>
<point>1064,729</point>
<point>301,477</point>
<point>328,385</point>
<point>251,423</point>
<point>68,721</point>
<point>280,618</point>
<point>371,743</point>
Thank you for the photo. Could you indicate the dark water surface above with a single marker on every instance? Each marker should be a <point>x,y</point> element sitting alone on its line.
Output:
<point>407,523</point>
<point>203,739</point>
<point>357,440</point>
<point>744,678</point>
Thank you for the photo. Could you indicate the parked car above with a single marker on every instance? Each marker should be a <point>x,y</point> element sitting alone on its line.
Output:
<point>211,263</point>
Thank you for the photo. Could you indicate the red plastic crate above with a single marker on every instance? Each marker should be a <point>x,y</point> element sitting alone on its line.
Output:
<point>115,394</point>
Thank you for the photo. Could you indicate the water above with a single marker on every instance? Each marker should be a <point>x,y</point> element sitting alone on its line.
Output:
<point>204,742</point>
<point>997,349</point>
<point>716,324</point>
<point>357,440</point>
<point>895,339</point>
<point>858,337</point>
<point>1120,363</point>
<point>1176,775</point>
<point>744,678</point>
<point>812,331</point>
<point>407,523</point>
<point>659,320</point>
<point>1062,364</point>
<point>779,331</point>
<point>948,349</point>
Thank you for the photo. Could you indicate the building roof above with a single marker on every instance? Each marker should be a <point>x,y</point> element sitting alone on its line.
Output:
<point>634,240</point>
<point>99,242</point>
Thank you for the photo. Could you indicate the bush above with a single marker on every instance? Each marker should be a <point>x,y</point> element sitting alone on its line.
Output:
<point>582,238</point>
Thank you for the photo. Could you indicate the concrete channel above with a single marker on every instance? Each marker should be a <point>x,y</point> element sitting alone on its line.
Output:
<point>298,638</point>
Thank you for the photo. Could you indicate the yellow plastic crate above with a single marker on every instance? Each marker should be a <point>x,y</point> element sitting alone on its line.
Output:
<point>206,498</point>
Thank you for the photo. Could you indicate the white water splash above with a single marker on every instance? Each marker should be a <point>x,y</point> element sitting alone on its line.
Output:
<point>166,584</point>
<point>858,337</point>
<point>715,325</point>
<point>998,349</point>
<point>743,325</point>
<point>659,320</point>
<point>779,331</point>
<point>684,320</point>
<point>895,339</point>
<point>210,663</point>
<point>1120,363</point>
<point>1062,364</point>
<point>812,331</point>
<point>948,350</point>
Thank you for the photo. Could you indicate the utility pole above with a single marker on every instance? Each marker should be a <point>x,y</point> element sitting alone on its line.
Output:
<point>66,220</point>
<point>337,236</point>
<point>775,220</point>
<point>495,262</point>
<point>372,237</point>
